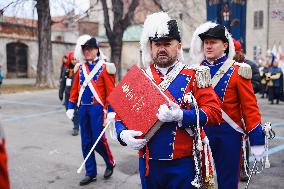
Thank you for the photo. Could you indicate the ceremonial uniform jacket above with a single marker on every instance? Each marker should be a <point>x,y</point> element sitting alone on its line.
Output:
<point>103,82</point>
<point>238,99</point>
<point>172,141</point>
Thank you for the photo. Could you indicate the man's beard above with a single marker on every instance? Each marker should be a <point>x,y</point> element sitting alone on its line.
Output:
<point>164,63</point>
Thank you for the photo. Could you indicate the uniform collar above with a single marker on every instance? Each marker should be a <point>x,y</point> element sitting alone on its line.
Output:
<point>166,70</point>
<point>93,61</point>
<point>219,60</point>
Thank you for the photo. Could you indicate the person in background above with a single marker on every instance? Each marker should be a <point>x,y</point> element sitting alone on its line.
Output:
<point>1,76</point>
<point>274,79</point>
<point>255,80</point>
<point>92,84</point>
<point>240,57</point>
<point>65,88</point>
<point>263,82</point>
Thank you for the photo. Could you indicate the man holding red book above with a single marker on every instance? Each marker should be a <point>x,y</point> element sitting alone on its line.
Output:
<point>166,160</point>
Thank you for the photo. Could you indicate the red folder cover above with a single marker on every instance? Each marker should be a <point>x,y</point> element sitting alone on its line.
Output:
<point>136,100</point>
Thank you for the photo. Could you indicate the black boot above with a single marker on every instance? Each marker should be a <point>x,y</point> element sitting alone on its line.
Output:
<point>108,172</point>
<point>87,180</point>
<point>243,175</point>
<point>75,132</point>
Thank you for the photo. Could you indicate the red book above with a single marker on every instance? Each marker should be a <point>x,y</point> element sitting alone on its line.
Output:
<point>136,100</point>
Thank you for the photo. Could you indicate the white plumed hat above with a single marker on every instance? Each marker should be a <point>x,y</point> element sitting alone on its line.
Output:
<point>196,47</point>
<point>157,26</point>
<point>78,53</point>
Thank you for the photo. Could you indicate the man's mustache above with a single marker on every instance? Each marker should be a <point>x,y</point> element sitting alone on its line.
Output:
<point>162,54</point>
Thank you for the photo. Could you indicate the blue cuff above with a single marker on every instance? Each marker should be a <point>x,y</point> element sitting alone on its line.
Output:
<point>256,136</point>
<point>71,105</point>
<point>119,127</point>
<point>190,118</point>
<point>109,109</point>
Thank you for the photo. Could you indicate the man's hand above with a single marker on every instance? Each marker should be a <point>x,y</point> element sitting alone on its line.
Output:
<point>70,113</point>
<point>170,114</point>
<point>258,151</point>
<point>128,136</point>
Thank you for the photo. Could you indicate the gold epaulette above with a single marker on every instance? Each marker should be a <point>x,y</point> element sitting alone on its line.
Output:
<point>110,68</point>
<point>244,70</point>
<point>203,77</point>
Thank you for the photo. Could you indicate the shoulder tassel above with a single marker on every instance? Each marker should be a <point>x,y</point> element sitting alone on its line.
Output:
<point>203,77</point>
<point>244,70</point>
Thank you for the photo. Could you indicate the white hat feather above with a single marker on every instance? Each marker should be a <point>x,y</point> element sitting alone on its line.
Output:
<point>78,53</point>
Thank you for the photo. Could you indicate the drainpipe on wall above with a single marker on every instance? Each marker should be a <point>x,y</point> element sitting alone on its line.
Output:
<point>268,16</point>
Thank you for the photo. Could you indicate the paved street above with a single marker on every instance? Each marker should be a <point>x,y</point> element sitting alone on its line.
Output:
<point>44,155</point>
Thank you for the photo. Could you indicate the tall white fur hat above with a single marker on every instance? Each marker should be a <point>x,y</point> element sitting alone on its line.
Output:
<point>196,46</point>
<point>156,25</point>
<point>78,53</point>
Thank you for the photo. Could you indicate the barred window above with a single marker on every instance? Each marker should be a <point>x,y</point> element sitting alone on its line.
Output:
<point>258,19</point>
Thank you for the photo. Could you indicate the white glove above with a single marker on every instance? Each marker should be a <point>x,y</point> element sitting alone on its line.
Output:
<point>70,113</point>
<point>127,136</point>
<point>166,114</point>
<point>257,152</point>
<point>110,117</point>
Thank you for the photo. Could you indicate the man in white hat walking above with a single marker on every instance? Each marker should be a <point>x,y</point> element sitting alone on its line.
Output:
<point>92,83</point>
<point>213,46</point>
<point>167,160</point>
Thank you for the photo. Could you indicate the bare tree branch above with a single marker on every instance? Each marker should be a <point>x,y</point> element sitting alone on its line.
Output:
<point>117,9</point>
<point>159,4</point>
<point>130,14</point>
<point>106,19</point>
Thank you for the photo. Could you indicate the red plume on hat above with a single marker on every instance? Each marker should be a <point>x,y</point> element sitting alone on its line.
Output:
<point>238,45</point>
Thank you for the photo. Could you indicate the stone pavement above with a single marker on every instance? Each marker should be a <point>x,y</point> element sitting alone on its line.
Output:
<point>43,154</point>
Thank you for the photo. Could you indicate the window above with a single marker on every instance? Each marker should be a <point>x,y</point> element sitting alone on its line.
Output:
<point>258,19</point>
<point>59,38</point>
<point>254,53</point>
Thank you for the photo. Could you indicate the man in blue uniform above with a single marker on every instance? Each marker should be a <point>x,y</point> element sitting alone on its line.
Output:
<point>167,160</point>
<point>92,83</point>
<point>213,46</point>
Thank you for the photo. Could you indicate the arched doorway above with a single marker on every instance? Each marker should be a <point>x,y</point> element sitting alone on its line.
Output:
<point>17,60</point>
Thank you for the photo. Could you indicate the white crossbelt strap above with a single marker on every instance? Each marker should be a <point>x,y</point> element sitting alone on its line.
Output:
<point>87,82</point>
<point>170,77</point>
<point>215,80</point>
<point>220,73</point>
<point>231,122</point>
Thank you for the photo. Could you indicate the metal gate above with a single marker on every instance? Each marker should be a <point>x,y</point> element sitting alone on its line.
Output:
<point>17,62</point>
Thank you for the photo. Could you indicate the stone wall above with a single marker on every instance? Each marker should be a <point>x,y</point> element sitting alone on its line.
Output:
<point>58,50</point>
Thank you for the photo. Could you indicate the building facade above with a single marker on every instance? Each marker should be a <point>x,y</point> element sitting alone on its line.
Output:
<point>19,46</point>
<point>265,25</point>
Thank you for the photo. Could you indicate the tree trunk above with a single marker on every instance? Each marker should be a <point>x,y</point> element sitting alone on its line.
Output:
<point>120,23</point>
<point>45,75</point>
<point>116,51</point>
